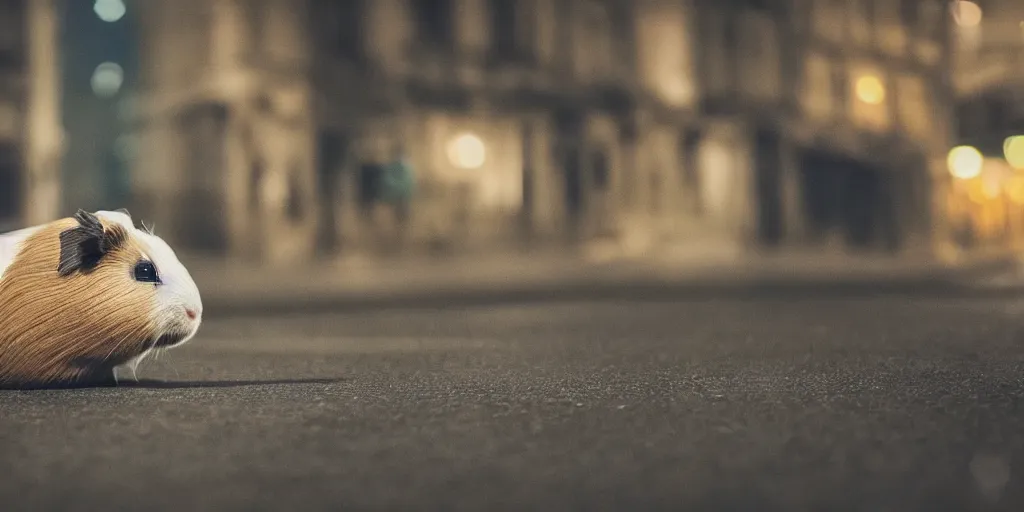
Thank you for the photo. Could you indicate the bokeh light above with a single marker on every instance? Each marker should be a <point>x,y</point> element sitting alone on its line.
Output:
<point>107,79</point>
<point>1013,151</point>
<point>109,10</point>
<point>467,151</point>
<point>1015,189</point>
<point>964,162</point>
<point>870,89</point>
<point>967,14</point>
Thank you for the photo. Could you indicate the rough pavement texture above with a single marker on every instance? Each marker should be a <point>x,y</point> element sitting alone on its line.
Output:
<point>247,291</point>
<point>757,404</point>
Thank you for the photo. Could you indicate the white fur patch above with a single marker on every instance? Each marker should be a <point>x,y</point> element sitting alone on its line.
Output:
<point>11,245</point>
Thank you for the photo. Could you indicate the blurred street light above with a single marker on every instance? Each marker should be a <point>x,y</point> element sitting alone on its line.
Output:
<point>107,79</point>
<point>964,162</point>
<point>109,10</point>
<point>966,13</point>
<point>870,89</point>
<point>467,151</point>
<point>1013,151</point>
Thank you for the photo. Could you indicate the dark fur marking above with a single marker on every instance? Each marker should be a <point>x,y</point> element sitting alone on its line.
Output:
<point>83,247</point>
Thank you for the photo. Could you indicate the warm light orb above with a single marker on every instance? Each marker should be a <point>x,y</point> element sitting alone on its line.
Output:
<point>966,13</point>
<point>109,10</point>
<point>964,162</point>
<point>1013,151</point>
<point>870,89</point>
<point>467,151</point>
<point>1015,189</point>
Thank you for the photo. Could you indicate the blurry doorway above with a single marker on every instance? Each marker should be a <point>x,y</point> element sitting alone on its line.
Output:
<point>848,201</point>
<point>768,174</point>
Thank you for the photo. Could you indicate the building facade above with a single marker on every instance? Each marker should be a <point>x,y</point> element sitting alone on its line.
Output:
<point>530,123</point>
<point>873,119</point>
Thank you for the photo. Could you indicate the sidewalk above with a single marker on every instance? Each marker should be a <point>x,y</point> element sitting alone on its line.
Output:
<point>239,289</point>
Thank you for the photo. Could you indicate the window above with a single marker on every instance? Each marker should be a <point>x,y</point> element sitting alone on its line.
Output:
<point>514,29</point>
<point>255,20</point>
<point>594,45</point>
<point>621,25</point>
<point>717,46</point>
<point>663,48</point>
<point>931,22</point>
<point>909,12</point>
<point>12,35</point>
<point>890,26</point>
<point>914,107</point>
<point>860,21</point>
<point>818,90</point>
<point>504,25</point>
<point>434,21</point>
<point>349,38</point>
<point>829,19</point>
<point>759,49</point>
<point>931,17</point>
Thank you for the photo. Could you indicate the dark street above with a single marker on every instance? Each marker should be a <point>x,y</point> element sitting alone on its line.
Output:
<point>754,404</point>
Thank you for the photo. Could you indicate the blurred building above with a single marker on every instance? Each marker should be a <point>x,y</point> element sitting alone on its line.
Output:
<point>535,123</point>
<point>30,130</point>
<point>874,118</point>
<point>985,197</point>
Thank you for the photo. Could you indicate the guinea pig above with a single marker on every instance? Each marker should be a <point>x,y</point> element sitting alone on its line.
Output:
<point>81,296</point>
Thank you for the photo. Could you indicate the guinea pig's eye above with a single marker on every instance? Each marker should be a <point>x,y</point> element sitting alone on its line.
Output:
<point>145,272</point>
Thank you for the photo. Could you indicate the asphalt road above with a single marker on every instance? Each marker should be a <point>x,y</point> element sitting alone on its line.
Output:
<point>862,404</point>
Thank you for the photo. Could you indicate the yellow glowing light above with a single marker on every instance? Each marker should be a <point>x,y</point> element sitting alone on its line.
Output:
<point>977,195</point>
<point>467,151</point>
<point>870,89</point>
<point>1015,189</point>
<point>991,187</point>
<point>1013,151</point>
<point>109,10</point>
<point>964,162</point>
<point>967,14</point>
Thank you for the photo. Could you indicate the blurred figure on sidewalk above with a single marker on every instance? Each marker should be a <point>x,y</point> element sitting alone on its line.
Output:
<point>398,187</point>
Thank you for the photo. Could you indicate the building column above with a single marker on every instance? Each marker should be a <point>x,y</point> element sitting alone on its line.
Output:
<point>548,183</point>
<point>45,134</point>
<point>727,186</point>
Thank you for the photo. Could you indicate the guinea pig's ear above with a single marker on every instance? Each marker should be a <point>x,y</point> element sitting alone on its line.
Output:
<point>82,247</point>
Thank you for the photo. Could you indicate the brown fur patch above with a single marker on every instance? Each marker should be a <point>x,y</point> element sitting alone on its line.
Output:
<point>71,329</point>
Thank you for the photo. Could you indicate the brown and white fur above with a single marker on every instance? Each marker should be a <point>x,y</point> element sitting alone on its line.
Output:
<point>81,296</point>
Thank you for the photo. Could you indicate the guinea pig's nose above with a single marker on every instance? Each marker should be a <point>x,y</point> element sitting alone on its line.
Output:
<point>190,313</point>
